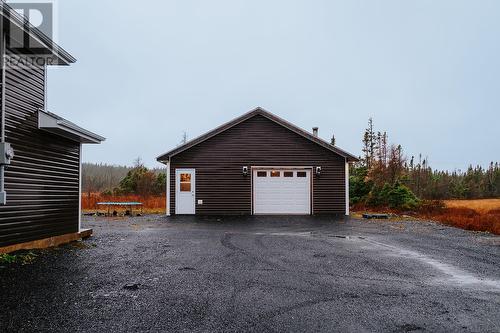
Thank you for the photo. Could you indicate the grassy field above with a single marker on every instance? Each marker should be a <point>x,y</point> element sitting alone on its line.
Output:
<point>479,215</point>
<point>151,204</point>
<point>481,206</point>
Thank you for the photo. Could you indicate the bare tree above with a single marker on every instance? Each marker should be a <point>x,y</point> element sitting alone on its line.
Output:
<point>184,138</point>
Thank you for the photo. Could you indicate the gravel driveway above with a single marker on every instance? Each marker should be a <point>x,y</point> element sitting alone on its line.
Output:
<point>258,274</point>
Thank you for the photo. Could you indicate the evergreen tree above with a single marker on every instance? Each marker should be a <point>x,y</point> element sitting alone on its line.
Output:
<point>384,169</point>
<point>369,144</point>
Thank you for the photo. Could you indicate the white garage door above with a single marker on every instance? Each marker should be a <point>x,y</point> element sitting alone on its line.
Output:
<point>282,191</point>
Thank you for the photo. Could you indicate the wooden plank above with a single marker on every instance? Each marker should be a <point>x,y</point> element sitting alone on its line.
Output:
<point>48,242</point>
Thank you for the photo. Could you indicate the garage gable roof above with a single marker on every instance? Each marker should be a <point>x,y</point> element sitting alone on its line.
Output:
<point>256,112</point>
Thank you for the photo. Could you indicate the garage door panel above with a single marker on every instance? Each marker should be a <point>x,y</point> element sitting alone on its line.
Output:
<point>280,194</point>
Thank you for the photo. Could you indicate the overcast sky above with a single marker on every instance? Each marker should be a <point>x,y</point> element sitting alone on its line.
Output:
<point>428,72</point>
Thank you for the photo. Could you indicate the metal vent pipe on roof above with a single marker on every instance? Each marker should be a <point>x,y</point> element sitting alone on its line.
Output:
<point>315,131</point>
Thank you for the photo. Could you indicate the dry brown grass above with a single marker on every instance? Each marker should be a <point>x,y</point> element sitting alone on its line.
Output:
<point>478,215</point>
<point>481,206</point>
<point>150,204</point>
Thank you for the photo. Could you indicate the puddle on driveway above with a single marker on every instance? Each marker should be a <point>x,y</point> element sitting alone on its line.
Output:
<point>291,234</point>
<point>454,274</point>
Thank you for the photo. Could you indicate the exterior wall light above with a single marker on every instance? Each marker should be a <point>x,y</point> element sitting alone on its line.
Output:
<point>245,171</point>
<point>318,170</point>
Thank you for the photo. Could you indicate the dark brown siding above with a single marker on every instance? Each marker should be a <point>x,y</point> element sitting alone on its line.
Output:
<point>42,183</point>
<point>257,141</point>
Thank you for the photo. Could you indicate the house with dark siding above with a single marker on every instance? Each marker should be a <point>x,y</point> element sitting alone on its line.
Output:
<point>40,162</point>
<point>257,164</point>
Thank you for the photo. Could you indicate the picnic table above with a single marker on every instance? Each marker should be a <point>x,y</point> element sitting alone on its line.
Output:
<point>130,204</point>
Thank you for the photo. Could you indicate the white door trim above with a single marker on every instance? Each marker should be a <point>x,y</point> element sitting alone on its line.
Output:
<point>193,190</point>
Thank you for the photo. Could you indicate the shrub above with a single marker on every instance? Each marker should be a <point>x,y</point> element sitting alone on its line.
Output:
<point>107,193</point>
<point>401,197</point>
<point>142,181</point>
<point>395,196</point>
<point>22,257</point>
<point>359,188</point>
<point>378,196</point>
<point>6,258</point>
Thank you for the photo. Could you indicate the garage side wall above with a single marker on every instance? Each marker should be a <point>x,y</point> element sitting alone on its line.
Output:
<point>257,141</point>
<point>42,183</point>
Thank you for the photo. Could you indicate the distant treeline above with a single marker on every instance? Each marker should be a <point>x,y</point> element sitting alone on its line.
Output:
<point>384,176</point>
<point>117,179</point>
<point>101,177</point>
<point>474,183</point>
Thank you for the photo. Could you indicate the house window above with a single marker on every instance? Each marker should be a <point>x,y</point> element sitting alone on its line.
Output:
<point>275,174</point>
<point>261,174</point>
<point>185,182</point>
<point>288,174</point>
<point>301,174</point>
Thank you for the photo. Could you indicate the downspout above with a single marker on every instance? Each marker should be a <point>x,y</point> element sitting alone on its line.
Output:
<point>3,195</point>
<point>6,152</point>
<point>2,63</point>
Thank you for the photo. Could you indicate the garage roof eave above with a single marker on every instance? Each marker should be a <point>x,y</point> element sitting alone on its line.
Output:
<point>257,111</point>
<point>54,124</point>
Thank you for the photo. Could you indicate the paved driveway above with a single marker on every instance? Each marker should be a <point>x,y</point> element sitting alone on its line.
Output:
<point>259,274</point>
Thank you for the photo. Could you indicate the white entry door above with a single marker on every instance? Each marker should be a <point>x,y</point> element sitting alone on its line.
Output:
<point>185,191</point>
<point>283,191</point>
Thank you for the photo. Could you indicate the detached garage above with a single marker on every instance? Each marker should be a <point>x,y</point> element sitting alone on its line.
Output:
<point>257,164</point>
